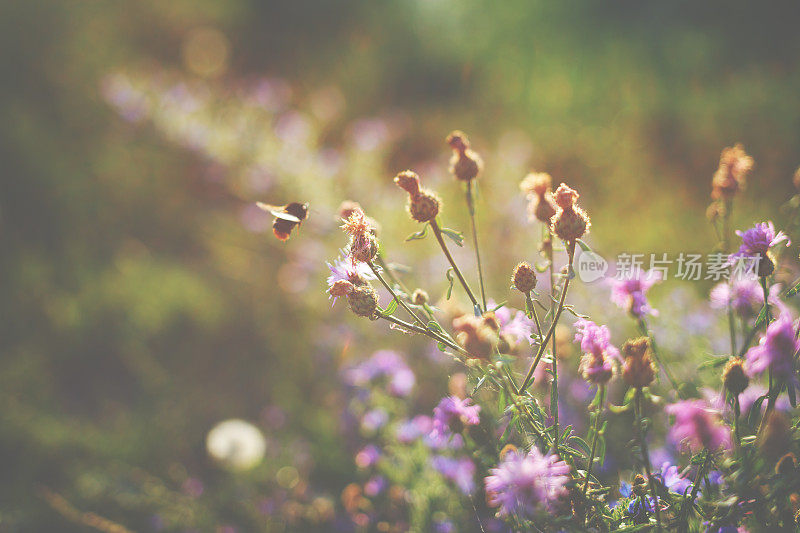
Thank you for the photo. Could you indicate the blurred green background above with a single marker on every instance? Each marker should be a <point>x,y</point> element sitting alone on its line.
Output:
<point>139,310</point>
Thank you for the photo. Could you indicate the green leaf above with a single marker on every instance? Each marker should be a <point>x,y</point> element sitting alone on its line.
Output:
<point>418,235</point>
<point>391,308</point>
<point>794,290</point>
<point>456,236</point>
<point>762,317</point>
<point>585,247</point>
<point>578,442</point>
<point>450,278</point>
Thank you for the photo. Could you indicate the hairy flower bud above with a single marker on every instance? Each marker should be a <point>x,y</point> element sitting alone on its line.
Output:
<point>364,247</point>
<point>570,221</point>
<point>638,370</point>
<point>420,297</point>
<point>408,180</point>
<point>465,164</point>
<point>730,177</point>
<point>363,301</point>
<point>734,377</point>
<point>524,277</point>
<point>424,206</point>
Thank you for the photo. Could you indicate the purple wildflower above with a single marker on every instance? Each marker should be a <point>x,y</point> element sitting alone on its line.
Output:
<point>697,426</point>
<point>776,349</point>
<point>344,269</point>
<point>375,485</point>
<point>513,323</point>
<point>759,239</point>
<point>598,352</point>
<point>630,294</point>
<point>744,295</point>
<point>524,483</point>
<point>383,363</point>
<point>673,480</point>
<point>374,419</point>
<point>410,430</point>
<point>453,414</point>
<point>460,471</point>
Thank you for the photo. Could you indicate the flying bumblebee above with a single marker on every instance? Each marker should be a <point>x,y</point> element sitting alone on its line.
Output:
<point>287,217</point>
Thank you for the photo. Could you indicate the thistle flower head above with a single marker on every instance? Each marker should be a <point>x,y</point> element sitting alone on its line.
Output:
<point>408,180</point>
<point>631,294</point>
<point>570,222</point>
<point>731,175</point>
<point>465,164</point>
<point>339,288</point>
<point>638,369</point>
<point>524,484</point>
<point>775,351</point>
<point>697,426</point>
<point>536,188</point>
<point>363,301</point>
<point>524,277</point>
<point>477,335</point>
<point>734,376</point>
<point>742,294</point>
<point>356,223</point>
<point>453,414</point>
<point>596,364</point>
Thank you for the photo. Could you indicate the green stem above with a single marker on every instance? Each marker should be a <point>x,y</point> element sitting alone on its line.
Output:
<point>423,331</point>
<point>533,314</point>
<point>471,208</point>
<point>554,395</point>
<point>396,297</point>
<point>736,412</point>
<point>437,231</point>
<point>550,331</point>
<point>646,455</point>
<point>647,333</point>
<point>602,396</point>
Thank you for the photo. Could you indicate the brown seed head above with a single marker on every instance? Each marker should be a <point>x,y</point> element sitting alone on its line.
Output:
<point>731,175</point>
<point>341,288</point>
<point>363,301</point>
<point>408,180</point>
<point>524,278</point>
<point>570,221</point>
<point>734,377</point>
<point>424,206</point>
<point>638,369</point>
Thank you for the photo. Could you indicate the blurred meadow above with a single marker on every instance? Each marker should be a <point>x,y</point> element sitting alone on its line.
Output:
<point>145,299</point>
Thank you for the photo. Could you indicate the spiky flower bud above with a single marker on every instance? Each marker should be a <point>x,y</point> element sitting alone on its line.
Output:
<point>524,277</point>
<point>424,206</point>
<point>420,297</point>
<point>734,377</point>
<point>638,369</point>
<point>348,207</point>
<point>465,164</point>
<point>363,301</point>
<point>570,221</point>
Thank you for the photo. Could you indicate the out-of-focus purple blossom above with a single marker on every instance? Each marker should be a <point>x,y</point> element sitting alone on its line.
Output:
<point>641,505</point>
<point>744,295</point>
<point>698,426</point>
<point>410,430</point>
<point>673,480</point>
<point>375,485</point>
<point>775,351</point>
<point>453,414</point>
<point>757,240</point>
<point>443,526</point>
<point>524,483</point>
<point>460,471</point>
<point>596,364</point>
<point>367,456</point>
<point>630,294</point>
<point>383,364</point>
<point>374,419</point>
<point>513,323</point>
<point>369,134</point>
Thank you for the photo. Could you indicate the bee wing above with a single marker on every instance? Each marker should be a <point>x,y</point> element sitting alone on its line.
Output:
<point>277,212</point>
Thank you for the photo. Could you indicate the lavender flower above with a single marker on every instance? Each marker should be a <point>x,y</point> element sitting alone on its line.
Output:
<point>673,480</point>
<point>367,456</point>
<point>524,483</point>
<point>744,295</point>
<point>460,471</point>
<point>374,419</point>
<point>598,352</point>
<point>513,323</point>
<point>759,239</point>
<point>383,364</point>
<point>453,414</point>
<point>410,430</point>
<point>629,294</point>
<point>344,269</point>
<point>697,426</point>
<point>776,349</point>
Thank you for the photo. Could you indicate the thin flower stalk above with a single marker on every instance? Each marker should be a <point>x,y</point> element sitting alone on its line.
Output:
<point>601,394</point>
<point>437,231</point>
<point>646,455</point>
<point>644,330</point>
<point>471,209</point>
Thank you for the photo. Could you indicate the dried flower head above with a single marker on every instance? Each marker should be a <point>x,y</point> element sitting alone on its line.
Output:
<point>465,164</point>
<point>734,376</point>
<point>731,176</point>
<point>524,277</point>
<point>363,301</point>
<point>536,187</point>
<point>638,369</point>
<point>423,205</point>
<point>420,297</point>
<point>570,221</point>
<point>348,207</point>
<point>363,244</point>
<point>476,335</point>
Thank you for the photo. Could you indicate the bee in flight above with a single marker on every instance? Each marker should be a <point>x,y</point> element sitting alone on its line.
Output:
<point>286,217</point>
